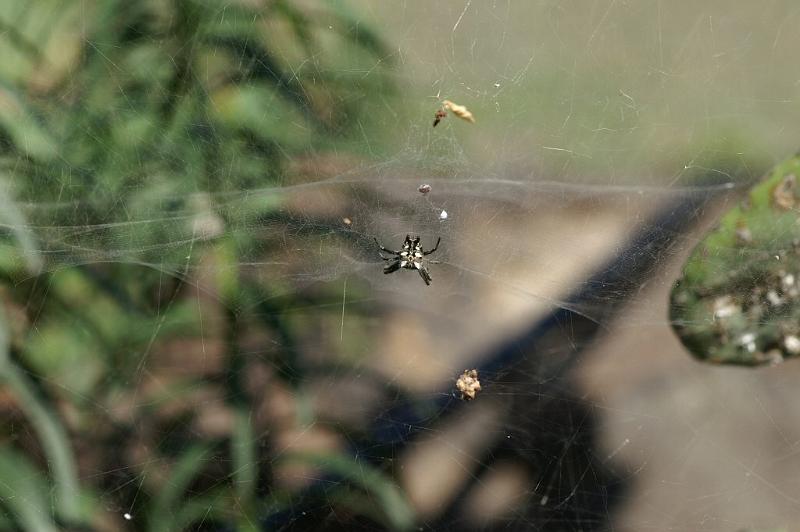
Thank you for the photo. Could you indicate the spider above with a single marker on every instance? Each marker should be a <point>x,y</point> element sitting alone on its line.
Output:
<point>411,257</point>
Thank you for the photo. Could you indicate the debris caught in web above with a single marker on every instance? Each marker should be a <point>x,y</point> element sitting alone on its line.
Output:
<point>347,221</point>
<point>459,110</point>
<point>424,189</point>
<point>468,384</point>
<point>443,215</point>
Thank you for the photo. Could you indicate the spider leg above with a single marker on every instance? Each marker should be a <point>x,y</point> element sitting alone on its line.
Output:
<point>434,247</point>
<point>384,249</point>
<point>423,272</point>
<point>391,268</point>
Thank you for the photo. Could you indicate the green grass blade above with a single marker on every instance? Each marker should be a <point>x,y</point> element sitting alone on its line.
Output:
<point>359,32</point>
<point>212,506</point>
<point>168,498</point>
<point>51,434</point>
<point>12,218</point>
<point>53,438</point>
<point>245,469</point>
<point>391,501</point>
<point>24,492</point>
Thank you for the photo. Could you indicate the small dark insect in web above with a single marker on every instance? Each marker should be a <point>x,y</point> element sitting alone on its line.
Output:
<point>440,114</point>
<point>411,257</point>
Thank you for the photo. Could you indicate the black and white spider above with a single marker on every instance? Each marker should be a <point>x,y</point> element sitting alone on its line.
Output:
<point>410,257</point>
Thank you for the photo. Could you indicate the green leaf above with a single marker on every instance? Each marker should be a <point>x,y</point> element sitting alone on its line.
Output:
<point>22,127</point>
<point>738,300</point>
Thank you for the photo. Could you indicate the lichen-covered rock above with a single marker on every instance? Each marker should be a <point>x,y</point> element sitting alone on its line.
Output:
<point>738,300</point>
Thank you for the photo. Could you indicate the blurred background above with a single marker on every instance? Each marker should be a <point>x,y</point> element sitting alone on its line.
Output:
<point>196,331</point>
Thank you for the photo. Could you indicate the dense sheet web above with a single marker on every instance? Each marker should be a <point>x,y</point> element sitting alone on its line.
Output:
<point>200,333</point>
<point>370,346</point>
<point>325,231</point>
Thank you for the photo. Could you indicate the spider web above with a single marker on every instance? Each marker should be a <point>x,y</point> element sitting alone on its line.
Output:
<point>233,355</point>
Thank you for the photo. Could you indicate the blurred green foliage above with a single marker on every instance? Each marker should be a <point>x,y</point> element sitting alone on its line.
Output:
<point>120,123</point>
<point>128,108</point>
